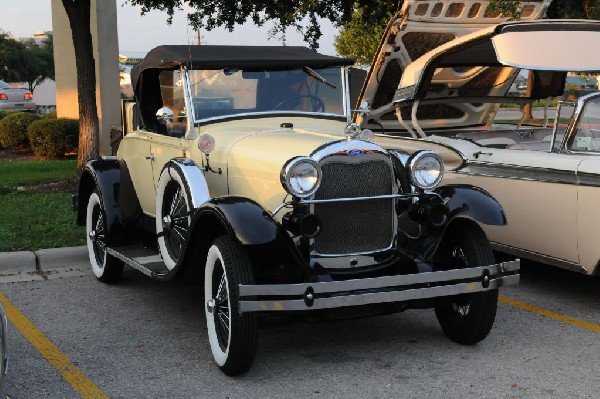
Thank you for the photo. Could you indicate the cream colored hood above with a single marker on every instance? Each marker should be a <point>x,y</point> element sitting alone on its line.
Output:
<point>423,26</point>
<point>254,161</point>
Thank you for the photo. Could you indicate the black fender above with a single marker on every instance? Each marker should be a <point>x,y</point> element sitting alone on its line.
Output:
<point>466,205</point>
<point>246,222</point>
<point>473,203</point>
<point>112,180</point>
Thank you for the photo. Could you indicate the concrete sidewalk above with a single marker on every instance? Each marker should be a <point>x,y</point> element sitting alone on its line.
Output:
<point>43,260</point>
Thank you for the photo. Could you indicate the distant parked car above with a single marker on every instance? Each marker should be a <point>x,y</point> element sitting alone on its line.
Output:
<point>546,179</point>
<point>15,98</point>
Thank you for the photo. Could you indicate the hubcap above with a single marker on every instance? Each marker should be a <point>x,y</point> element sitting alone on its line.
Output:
<point>210,305</point>
<point>93,235</point>
<point>167,223</point>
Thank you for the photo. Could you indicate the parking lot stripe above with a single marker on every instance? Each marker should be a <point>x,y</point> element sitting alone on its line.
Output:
<point>547,313</point>
<point>75,378</point>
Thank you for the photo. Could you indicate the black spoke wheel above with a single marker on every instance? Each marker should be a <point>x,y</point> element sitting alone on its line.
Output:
<point>467,318</point>
<point>175,219</point>
<point>106,268</point>
<point>232,336</point>
<point>173,206</point>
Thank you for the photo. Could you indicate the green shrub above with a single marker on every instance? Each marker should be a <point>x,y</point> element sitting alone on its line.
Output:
<point>49,115</point>
<point>3,114</point>
<point>13,128</point>
<point>53,137</point>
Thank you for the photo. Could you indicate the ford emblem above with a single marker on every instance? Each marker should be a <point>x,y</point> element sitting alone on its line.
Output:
<point>355,152</point>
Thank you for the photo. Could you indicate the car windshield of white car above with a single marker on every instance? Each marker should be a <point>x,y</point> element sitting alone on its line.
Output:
<point>227,92</point>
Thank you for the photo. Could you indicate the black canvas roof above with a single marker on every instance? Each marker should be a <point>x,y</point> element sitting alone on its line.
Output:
<point>241,57</point>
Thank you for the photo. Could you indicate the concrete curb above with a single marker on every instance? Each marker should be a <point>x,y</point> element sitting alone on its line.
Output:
<point>43,260</point>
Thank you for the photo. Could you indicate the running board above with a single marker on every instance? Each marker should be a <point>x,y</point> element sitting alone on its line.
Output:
<point>145,260</point>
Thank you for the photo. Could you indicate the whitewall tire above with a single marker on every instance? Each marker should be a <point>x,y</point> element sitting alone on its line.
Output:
<point>232,336</point>
<point>106,268</point>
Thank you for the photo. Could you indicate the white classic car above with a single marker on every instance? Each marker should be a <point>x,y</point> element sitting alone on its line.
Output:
<point>546,178</point>
<point>240,164</point>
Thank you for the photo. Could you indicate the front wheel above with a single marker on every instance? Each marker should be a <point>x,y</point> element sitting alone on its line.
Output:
<point>232,336</point>
<point>468,318</point>
<point>106,268</point>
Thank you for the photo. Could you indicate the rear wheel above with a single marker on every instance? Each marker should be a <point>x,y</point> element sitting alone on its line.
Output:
<point>173,205</point>
<point>468,318</point>
<point>232,336</point>
<point>106,268</point>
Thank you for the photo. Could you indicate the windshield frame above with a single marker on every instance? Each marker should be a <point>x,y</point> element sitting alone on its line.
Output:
<point>197,121</point>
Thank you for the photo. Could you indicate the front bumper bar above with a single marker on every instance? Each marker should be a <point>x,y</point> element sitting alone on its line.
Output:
<point>336,294</point>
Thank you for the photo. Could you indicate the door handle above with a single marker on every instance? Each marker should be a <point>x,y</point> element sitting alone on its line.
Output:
<point>477,154</point>
<point>150,157</point>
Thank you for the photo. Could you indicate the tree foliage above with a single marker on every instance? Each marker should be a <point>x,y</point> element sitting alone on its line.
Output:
<point>360,37</point>
<point>28,62</point>
<point>302,15</point>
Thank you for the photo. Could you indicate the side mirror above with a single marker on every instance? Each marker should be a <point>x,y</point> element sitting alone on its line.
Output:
<point>165,116</point>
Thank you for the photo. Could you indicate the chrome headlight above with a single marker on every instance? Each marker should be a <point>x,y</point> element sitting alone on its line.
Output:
<point>425,169</point>
<point>301,176</point>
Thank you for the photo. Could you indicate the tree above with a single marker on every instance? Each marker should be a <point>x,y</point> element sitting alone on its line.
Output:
<point>26,62</point>
<point>78,13</point>
<point>13,57</point>
<point>303,15</point>
<point>42,65</point>
<point>360,37</point>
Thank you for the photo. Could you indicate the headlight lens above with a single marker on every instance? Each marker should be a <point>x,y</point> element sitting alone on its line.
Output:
<point>426,169</point>
<point>301,176</point>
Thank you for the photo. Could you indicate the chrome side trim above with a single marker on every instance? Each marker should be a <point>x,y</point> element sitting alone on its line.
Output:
<point>327,295</point>
<point>537,257</point>
<point>520,173</point>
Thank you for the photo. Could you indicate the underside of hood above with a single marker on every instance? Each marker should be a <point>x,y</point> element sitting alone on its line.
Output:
<point>422,26</point>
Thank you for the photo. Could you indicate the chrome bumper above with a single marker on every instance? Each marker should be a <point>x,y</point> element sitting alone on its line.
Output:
<point>335,294</point>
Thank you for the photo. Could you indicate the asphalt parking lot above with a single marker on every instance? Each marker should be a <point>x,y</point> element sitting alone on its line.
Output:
<point>145,339</point>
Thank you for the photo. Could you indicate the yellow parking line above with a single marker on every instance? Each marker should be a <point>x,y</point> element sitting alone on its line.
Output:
<point>556,316</point>
<point>79,382</point>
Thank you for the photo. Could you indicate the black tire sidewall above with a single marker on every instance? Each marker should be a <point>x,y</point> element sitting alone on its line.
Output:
<point>477,323</point>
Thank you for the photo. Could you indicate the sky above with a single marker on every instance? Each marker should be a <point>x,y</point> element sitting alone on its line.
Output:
<point>137,34</point>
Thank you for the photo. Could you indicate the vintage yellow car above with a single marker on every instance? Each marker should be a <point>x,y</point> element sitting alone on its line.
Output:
<point>240,164</point>
<point>448,89</point>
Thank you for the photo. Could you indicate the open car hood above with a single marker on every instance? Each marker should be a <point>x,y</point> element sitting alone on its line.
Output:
<point>425,32</point>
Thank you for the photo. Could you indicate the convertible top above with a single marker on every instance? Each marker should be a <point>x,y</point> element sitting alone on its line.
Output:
<point>241,57</point>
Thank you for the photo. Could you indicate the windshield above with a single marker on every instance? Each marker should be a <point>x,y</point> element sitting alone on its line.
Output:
<point>226,92</point>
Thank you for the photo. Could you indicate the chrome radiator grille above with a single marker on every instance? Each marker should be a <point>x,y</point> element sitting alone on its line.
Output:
<point>355,226</point>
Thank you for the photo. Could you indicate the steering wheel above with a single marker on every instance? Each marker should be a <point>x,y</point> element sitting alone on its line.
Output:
<point>317,104</point>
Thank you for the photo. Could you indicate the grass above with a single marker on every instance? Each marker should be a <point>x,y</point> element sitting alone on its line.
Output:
<point>36,220</point>
<point>16,173</point>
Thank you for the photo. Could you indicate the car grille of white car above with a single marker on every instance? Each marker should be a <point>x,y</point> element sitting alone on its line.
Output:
<point>355,226</point>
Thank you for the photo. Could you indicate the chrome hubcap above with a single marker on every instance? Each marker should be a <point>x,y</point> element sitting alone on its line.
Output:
<point>167,222</point>
<point>92,235</point>
<point>210,305</point>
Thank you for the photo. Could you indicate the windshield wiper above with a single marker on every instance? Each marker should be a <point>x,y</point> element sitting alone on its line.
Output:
<point>320,78</point>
